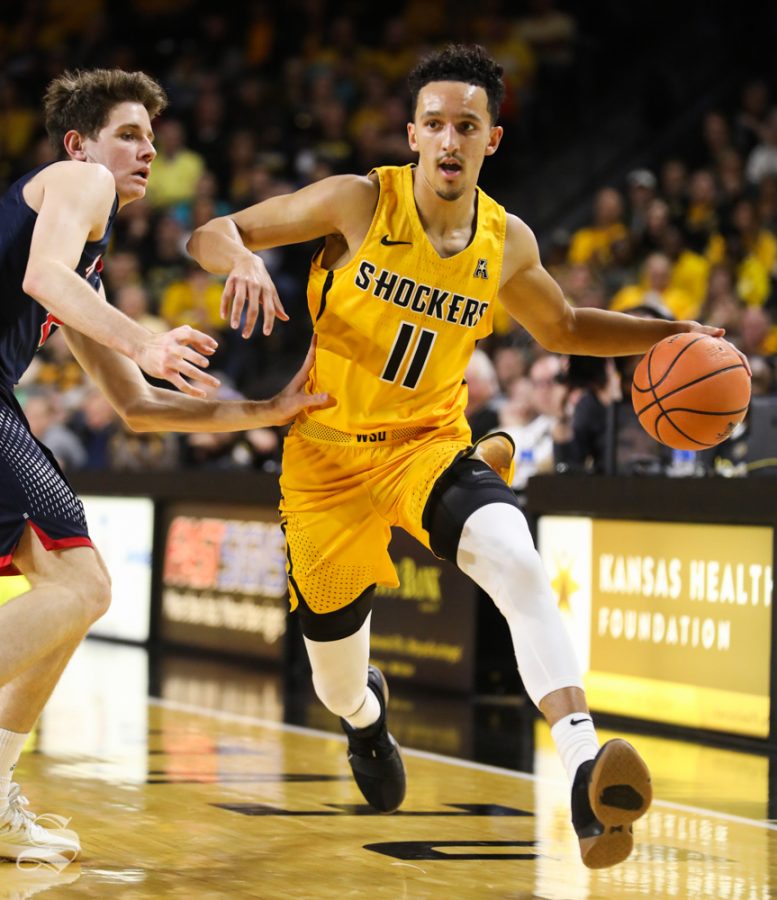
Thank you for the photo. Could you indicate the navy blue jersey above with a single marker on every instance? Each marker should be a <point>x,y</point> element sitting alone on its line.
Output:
<point>24,323</point>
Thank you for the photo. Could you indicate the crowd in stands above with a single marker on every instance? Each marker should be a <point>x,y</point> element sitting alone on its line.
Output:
<point>289,93</point>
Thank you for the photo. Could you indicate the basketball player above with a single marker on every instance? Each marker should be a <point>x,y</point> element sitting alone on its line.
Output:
<point>55,224</point>
<point>413,261</point>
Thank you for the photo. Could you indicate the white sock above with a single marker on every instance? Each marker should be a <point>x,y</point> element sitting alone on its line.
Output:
<point>576,741</point>
<point>11,744</point>
<point>340,676</point>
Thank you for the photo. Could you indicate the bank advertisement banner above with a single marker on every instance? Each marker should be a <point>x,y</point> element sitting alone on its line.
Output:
<point>671,621</point>
<point>424,630</point>
<point>224,579</point>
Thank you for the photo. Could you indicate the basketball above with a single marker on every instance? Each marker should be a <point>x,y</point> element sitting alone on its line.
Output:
<point>690,391</point>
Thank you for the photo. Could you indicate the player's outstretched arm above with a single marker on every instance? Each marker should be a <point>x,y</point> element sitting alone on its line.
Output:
<point>75,205</point>
<point>226,245</point>
<point>147,408</point>
<point>534,299</point>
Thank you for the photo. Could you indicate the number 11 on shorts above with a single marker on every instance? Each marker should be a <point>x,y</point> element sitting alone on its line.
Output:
<point>419,358</point>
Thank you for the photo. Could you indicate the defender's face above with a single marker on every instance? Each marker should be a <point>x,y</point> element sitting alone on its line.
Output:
<point>452,133</point>
<point>124,146</point>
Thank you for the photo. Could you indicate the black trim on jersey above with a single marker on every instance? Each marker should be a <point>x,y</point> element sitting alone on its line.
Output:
<point>334,626</point>
<point>330,277</point>
<point>464,487</point>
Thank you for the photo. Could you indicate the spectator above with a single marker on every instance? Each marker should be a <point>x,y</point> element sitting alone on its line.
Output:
<point>592,244</point>
<point>133,301</point>
<point>656,282</point>
<point>674,189</point>
<point>701,217</point>
<point>177,168</point>
<point>193,300</point>
<point>39,408</point>
<point>483,397</point>
<point>690,271</point>
<point>762,160</point>
<point>641,193</point>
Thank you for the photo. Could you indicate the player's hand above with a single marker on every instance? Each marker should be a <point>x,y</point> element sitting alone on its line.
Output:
<point>178,355</point>
<point>713,331</point>
<point>250,287</point>
<point>287,404</point>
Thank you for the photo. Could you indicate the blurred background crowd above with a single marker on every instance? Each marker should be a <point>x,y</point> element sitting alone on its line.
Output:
<point>641,146</point>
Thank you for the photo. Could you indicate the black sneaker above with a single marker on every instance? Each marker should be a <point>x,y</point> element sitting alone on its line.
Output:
<point>374,754</point>
<point>609,793</point>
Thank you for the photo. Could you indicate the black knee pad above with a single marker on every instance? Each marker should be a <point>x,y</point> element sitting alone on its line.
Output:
<point>464,487</point>
<point>334,626</point>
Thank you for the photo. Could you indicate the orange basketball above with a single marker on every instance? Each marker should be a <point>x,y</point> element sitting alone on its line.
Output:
<point>690,391</point>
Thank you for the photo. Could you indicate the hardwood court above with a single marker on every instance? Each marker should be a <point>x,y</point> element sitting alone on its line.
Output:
<point>173,799</point>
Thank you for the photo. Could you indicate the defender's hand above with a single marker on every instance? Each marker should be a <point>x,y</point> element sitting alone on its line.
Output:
<point>293,399</point>
<point>178,353</point>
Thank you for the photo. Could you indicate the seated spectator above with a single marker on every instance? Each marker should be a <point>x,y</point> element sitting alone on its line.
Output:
<point>95,424</point>
<point>581,444</point>
<point>753,284</point>
<point>690,271</point>
<point>40,410</point>
<point>762,160</point>
<point>510,364</point>
<point>756,240</point>
<point>193,300</point>
<point>641,184</point>
<point>530,430</point>
<point>657,222</point>
<point>592,244</point>
<point>177,168</point>
<point>758,333</point>
<point>701,218</point>
<point>674,189</point>
<point>656,281</point>
<point>724,310</point>
<point>751,116</point>
<point>482,410</point>
<point>133,300</point>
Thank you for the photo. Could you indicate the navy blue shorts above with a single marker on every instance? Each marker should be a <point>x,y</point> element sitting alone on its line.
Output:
<point>33,490</point>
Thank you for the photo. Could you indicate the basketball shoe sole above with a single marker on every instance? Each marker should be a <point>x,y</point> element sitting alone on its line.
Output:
<point>616,788</point>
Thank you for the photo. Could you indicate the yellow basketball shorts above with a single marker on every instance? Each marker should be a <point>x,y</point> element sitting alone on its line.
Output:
<point>341,499</point>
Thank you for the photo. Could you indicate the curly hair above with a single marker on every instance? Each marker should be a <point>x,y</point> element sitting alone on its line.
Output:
<point>469,63</point>
<point>83,100</point>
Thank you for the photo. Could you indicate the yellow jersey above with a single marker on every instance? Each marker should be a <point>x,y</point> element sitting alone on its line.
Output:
<point>397,324</point>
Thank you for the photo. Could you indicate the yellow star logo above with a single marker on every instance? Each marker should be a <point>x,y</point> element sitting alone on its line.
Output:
<point>563,583</point>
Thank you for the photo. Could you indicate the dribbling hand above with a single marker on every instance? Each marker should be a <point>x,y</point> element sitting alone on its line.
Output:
<point>178,353</point>
<point>249,286</point>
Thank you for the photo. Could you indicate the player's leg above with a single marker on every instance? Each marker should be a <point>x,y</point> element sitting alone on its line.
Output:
<point>69,590</point>
<point>77,580</point>
<point>338,646</point>
<point>336,553</point>
<point>474,520</point>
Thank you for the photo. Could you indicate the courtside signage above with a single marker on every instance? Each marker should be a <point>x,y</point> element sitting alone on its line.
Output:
<point>224,580</point>
<point>672,622</point>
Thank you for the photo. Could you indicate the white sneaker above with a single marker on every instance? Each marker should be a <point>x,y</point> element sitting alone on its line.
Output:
<point>24,840</point>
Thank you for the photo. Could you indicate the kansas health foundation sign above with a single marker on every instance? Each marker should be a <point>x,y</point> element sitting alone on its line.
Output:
<point>672,622</point>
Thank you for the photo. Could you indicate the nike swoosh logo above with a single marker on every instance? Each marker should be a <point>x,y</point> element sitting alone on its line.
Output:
<point>387,243</point>
<point>578,721</point>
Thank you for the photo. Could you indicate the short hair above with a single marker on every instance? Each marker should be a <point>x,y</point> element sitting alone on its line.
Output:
<point>469,63</point>
<point>83,100</point>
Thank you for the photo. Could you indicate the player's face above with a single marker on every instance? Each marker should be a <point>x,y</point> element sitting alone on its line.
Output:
<point>452,133</point>
<point>124,146</point>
